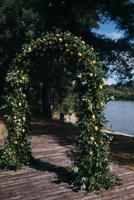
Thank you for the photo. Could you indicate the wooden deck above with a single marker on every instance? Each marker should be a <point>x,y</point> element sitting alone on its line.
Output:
<point>48,180</point>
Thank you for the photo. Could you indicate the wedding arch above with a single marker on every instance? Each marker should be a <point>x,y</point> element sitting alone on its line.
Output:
<point>91,167</point>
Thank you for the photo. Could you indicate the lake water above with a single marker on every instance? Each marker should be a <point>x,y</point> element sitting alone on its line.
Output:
<point>120,115</point>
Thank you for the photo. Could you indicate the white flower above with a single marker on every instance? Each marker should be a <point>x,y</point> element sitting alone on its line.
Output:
<point>80,76</point>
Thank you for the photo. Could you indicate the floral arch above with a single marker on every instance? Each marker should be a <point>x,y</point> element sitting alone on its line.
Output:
<point>91,166</point>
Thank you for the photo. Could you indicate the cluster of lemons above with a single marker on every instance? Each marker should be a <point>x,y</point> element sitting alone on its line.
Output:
<point>23,79</point>
<point>91,139</point>
<point>16,142</point>
<point>19,130</point>
<point>58,39</point>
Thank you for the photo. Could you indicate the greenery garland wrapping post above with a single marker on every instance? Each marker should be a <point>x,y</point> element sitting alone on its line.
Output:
<point>91,166</point>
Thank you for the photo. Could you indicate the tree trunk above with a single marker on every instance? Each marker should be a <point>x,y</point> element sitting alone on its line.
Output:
<point>46,104</point>
<point>62,117</point>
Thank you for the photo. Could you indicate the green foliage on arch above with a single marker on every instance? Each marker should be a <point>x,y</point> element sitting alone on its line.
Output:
<point>91,167</point>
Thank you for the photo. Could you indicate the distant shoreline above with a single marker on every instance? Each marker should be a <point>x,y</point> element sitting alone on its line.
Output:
<point>123,99</point>
<point>118,133</point>
<point>121,91</point>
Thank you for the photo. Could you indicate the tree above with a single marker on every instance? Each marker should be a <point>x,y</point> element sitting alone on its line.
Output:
<point>18,25</point>
<point>80,17</point>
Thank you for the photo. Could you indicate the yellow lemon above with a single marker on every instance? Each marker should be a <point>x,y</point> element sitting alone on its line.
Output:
<point>24,95</point>
<point>44,39</point>
<point>91,74</point>
<point>58,35</point>
<point>60,40</point>
<point>20,104</point>
<point>23,130</point>
<point>92,139</point>
<point>79,55</point>
<point>67,50</point>
<point>66,45</point>
<point>29,49</point>
<point>94,62</point>
<point>71,53</point>
<point>101,142</point>
<point>101,103</point>
<point>90,153</point>
<point>83,42</point>
<point>24,119</point>
<point>93,117</point>
<point>23,77</point>
<point>14,117</point>
<point>96,128</point>
<point>101,87</point>
<point>15,142</point>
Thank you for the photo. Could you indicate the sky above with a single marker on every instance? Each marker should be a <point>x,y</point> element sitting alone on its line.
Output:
<point>109,30</point>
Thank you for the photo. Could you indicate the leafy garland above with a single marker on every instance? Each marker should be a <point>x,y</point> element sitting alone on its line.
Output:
<point>91,166</point>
